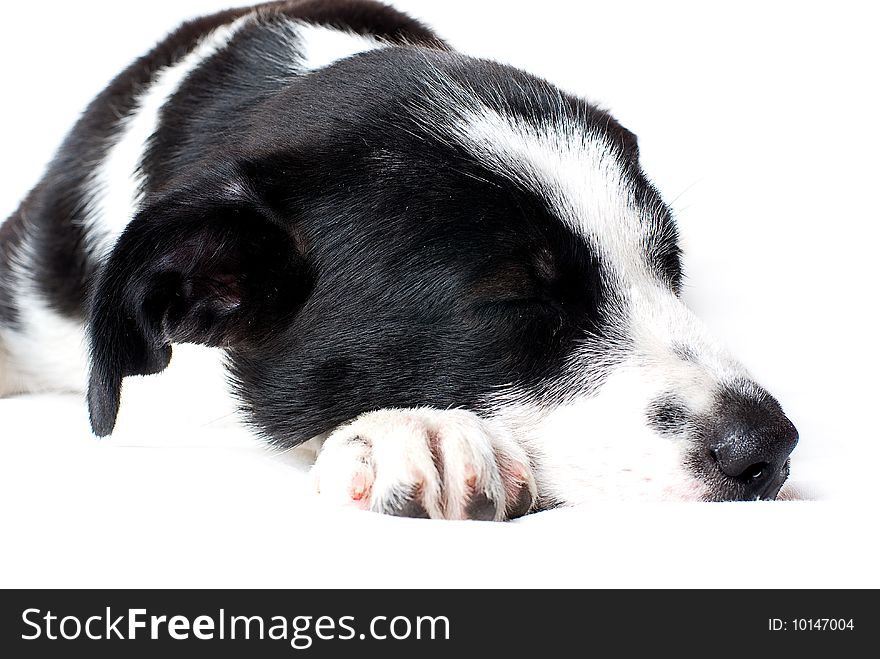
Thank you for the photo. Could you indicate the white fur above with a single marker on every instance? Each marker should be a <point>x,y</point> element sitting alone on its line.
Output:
<point>320,46</point>
<point>8,380</point>
<point>598,447</point>
<point>47,351</point>
<point>385,458</point>
<point>574,170</point>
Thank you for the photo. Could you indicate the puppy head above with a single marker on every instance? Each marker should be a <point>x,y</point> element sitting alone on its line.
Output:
<point>464,235</point>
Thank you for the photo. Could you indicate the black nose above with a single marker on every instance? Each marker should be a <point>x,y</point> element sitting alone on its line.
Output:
<point>753,450</point>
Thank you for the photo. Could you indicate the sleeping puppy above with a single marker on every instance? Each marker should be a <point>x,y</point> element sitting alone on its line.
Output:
<point>452,272</point>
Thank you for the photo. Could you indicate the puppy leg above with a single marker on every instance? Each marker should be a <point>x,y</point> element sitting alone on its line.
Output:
<point>422,462</point>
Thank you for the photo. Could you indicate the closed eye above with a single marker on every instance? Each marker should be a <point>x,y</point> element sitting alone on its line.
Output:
<point>528,310</point>
<point>518,303</point>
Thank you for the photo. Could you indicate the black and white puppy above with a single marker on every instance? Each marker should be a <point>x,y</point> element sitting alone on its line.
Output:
<point>454,272</point>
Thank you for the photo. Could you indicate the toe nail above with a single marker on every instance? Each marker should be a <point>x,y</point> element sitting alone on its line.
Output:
<point>520,503</point>
<point>481,507</point>
<point>409,508</point>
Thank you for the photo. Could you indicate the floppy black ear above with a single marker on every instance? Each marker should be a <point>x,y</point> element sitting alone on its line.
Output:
<point>205,265</point>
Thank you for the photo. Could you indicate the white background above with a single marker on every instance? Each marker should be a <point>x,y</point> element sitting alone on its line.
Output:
<point>758,121</point>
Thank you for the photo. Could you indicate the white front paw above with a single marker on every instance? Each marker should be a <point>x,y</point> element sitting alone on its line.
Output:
<point>422,462</point>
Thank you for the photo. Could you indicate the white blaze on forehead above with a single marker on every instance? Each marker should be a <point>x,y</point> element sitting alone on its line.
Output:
<point>576,169</point>
<point>580,173</point>
<point>668,338</point>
